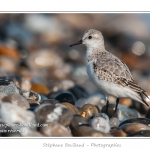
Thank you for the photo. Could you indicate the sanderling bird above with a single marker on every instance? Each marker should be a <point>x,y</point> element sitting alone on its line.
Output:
<point>108,72</point>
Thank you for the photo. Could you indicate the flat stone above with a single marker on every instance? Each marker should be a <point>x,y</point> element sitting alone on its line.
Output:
<point>118,133</point>
<point>78,92</point>
<point>18,100</point>
<point>88,111</point>
<point>88,131</point>
<point>130,128</point>
<point>96,99</point>
<point>55,130</point>
<point>100,124</point>
<point>122,113</point>
<point>142,133</point>
<point>145,121</point>
<point>15,115</point>
<point>71,107</point>
<point>78,121</point>
<point>66,97</point>
<point>50,113</point>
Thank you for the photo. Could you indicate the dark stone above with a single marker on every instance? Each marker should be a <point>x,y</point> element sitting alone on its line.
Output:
<point>142,133</point>
<point>66,97</point>
<point>51,95</point>
<point>78,92</point>
<point>145,121</point>
<point>50,101</point>
<point>55,130</point>
<point>148,113</point>
<point>88,131</point>
<point>122,113</point>
<point>50,113</point>
<point>78,121</point>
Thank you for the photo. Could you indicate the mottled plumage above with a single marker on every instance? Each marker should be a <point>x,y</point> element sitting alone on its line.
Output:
<point>107,71</point>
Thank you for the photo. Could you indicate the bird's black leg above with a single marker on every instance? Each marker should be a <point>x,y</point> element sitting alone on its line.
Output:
<point>107,104</point>
<point>117,101</point>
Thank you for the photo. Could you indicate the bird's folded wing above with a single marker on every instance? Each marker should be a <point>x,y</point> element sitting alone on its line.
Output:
<point>114,70</point>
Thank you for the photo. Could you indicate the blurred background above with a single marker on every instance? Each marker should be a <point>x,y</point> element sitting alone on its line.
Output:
<point>34,48</point>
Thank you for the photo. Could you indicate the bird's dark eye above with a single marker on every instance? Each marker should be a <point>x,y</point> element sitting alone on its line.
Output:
<point>90,37</point>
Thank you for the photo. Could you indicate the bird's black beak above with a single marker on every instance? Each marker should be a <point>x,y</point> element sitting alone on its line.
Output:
<point>77,43</point>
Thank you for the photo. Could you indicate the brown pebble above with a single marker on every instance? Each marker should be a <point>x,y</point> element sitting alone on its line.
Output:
<point>6,99</point>
<point>39,88</point>
<point>125,102</point>
<point>118,133</point>
<point>71,107</point>
<point>133,127</point>
<point>54,129</point>
<point>19,100</point>
<point>88,131</point>
<point>88,111</point>
<point>31,101</point>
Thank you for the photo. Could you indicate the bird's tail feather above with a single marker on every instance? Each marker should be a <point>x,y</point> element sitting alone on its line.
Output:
<point>142,97</point>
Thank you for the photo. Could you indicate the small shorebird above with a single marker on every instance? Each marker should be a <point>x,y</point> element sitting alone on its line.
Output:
<point>108,72</point>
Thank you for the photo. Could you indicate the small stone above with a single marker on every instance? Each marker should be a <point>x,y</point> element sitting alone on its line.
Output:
<point>27,132</point>
<point>96,99</point>
<point>118,133</point>
<point>103,115</point>
<point>88,131</point>
<point>39,88</point>
<point>114,122</point>
<point>78,121</point>
<point>50,113</point>
<point>71,107</point>
<point>122,113</point>
<point>100,124</point>
<point>78,92</point>
<point>50,101</point>
<point>18,100</point>
<point>88,111</point>
<point>130,128</point>
<point>14,114</point>
<point>127,102</point>
<point>32,95</point>
<point>145,121</point>
<point>2,95</point>
<point>66,97</point>
<point>53,94</point>
<point>55,130</point>
<point>8,87</point>
<point>143,133</point>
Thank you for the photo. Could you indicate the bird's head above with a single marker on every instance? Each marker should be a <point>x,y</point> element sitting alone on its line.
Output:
<point>92,39</point>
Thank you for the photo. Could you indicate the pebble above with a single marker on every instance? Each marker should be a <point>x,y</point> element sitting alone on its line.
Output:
<point>39,88</point>
<point>56,130</point>
<point>13,114</point>
<point>88,131</point>
<point>66,97</point>
<point>100,124</point>
<point>32,95</point>
<point>143,133</point>
<point>53,94</point>
<point>145,121</point>
<point>122,113</point>
<point>114,122</point>
<point>71,107</point>
<point>50,101</point>
<point>127,102</point>
<point>118,133</point>
<point>18,100</point>
<point>96,99</point>
<point>78,92</point>
<point>88,111</point>
<point>49,113</point>
<point>8,87</point>
<point>130,128</point>
<point>2,95</point>
<point>78,121</point>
